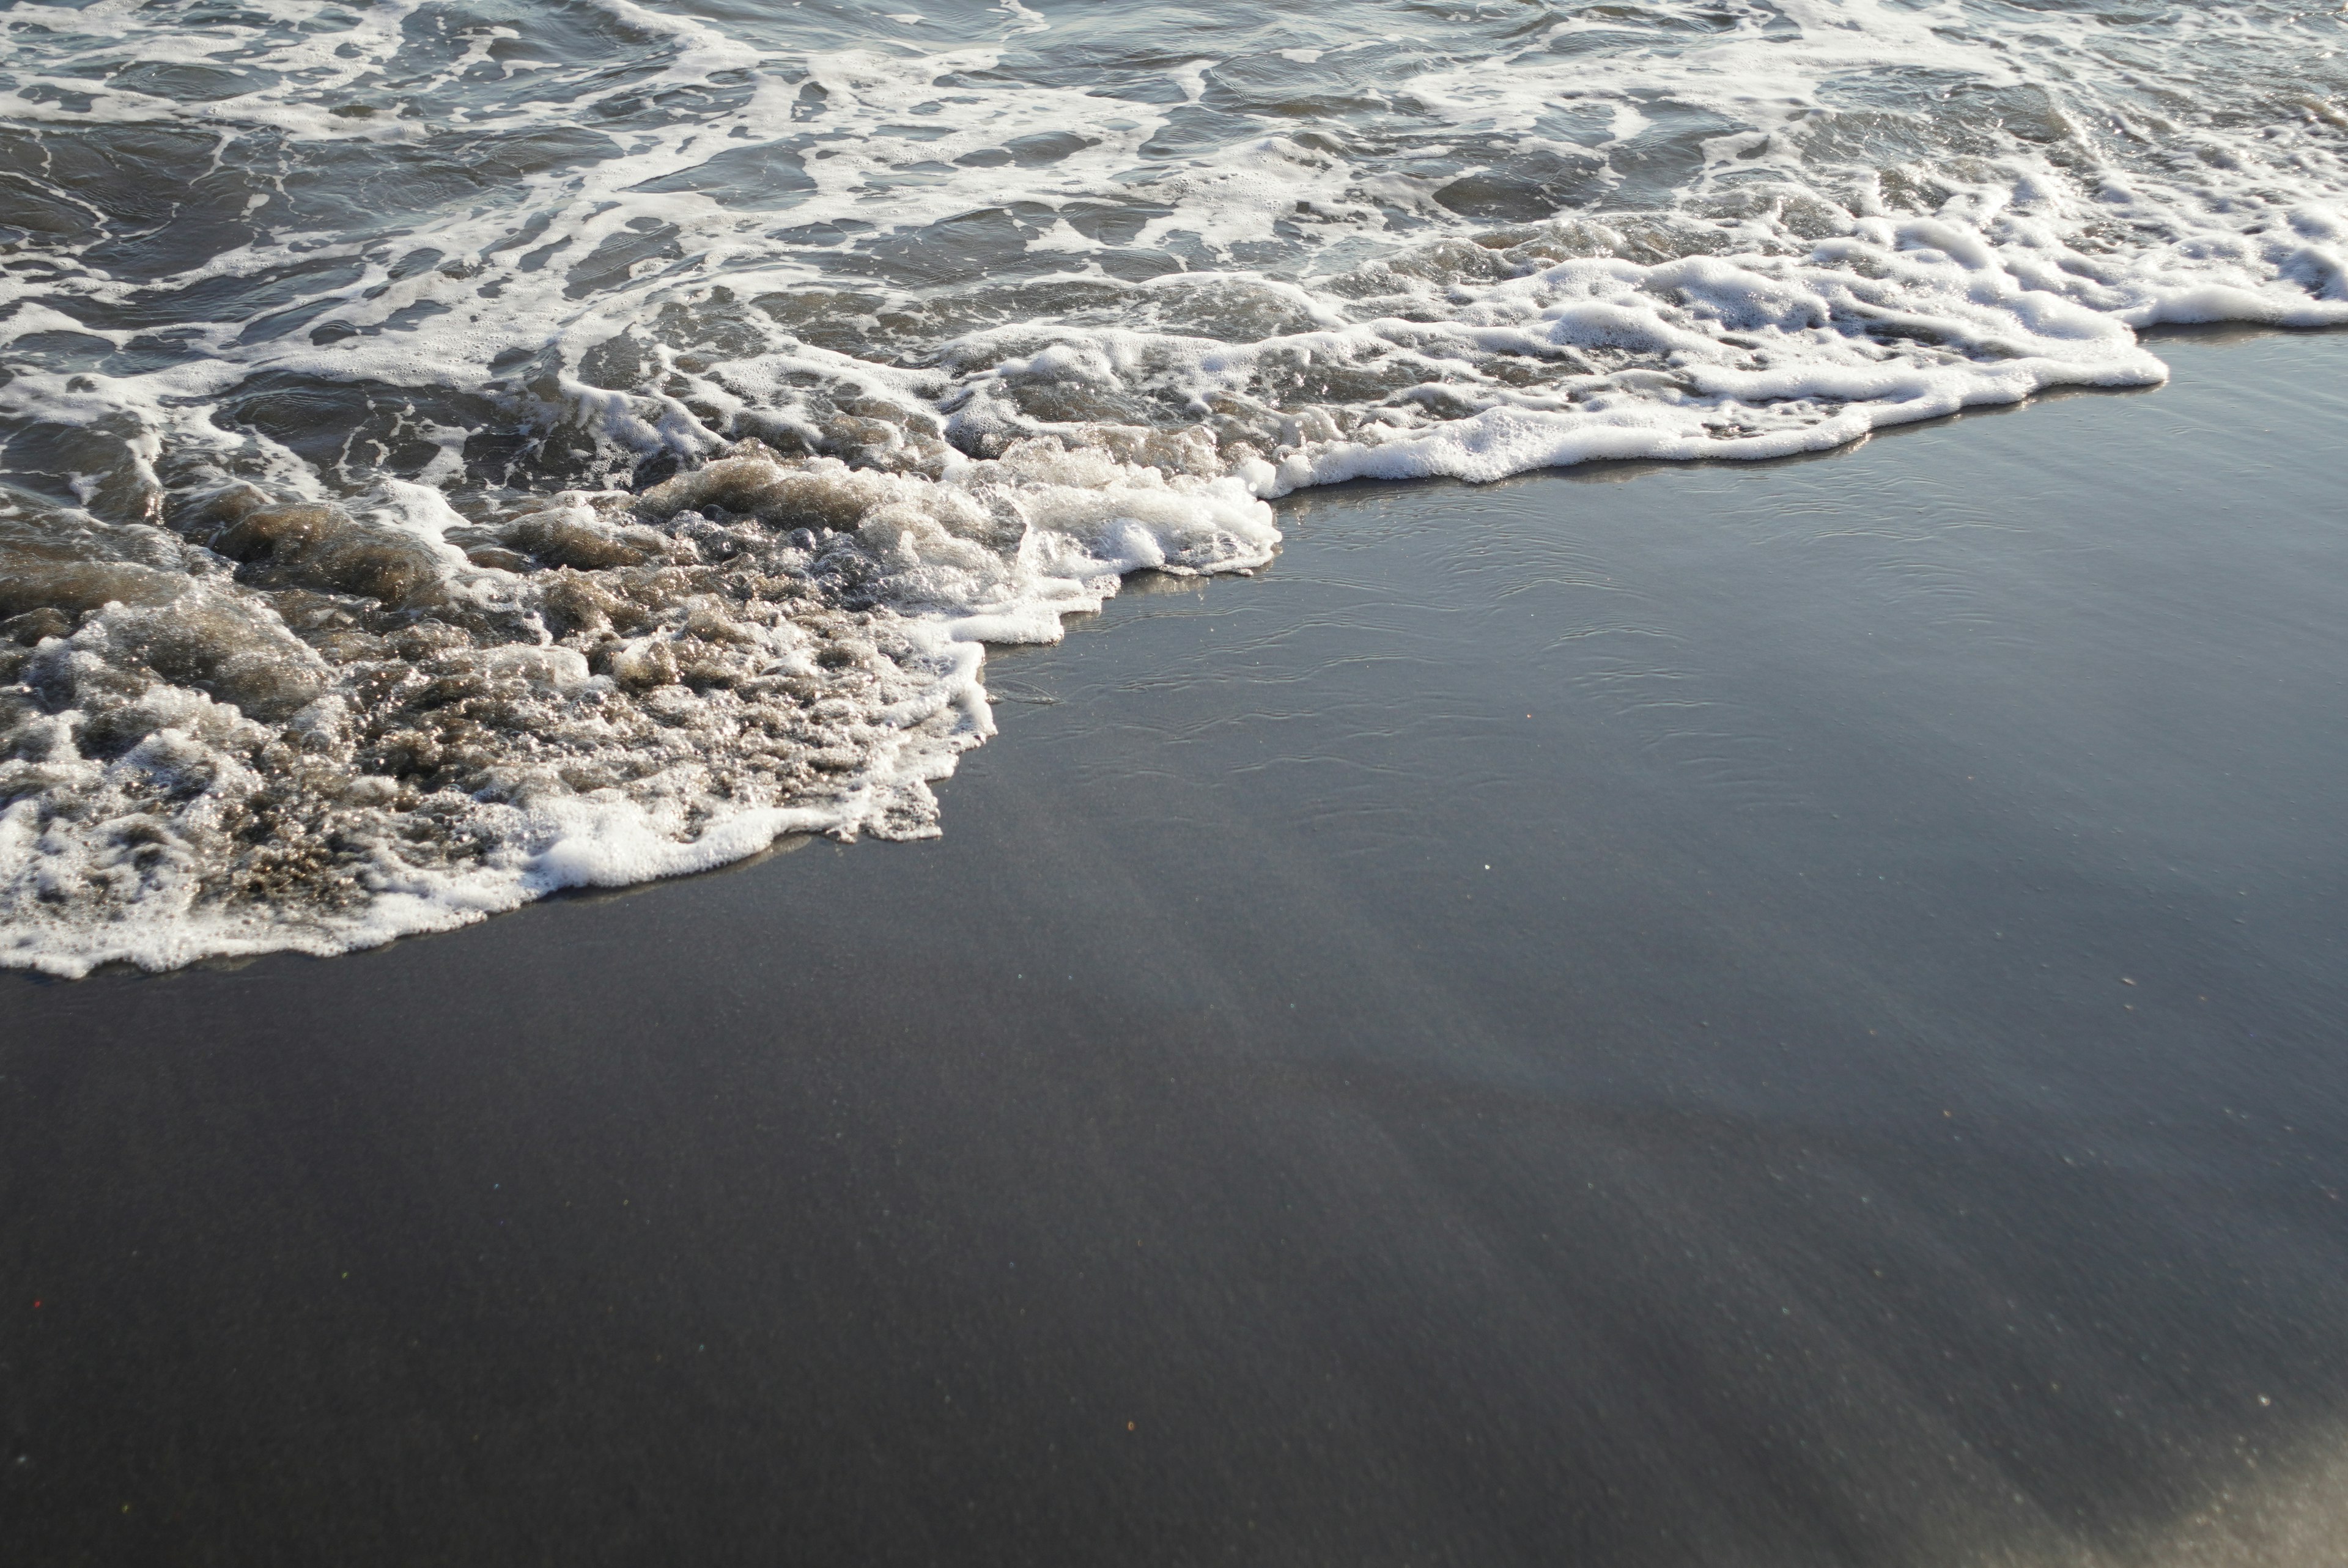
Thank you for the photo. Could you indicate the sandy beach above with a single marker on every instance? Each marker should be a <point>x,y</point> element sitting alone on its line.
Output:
<point>1778,1014</point>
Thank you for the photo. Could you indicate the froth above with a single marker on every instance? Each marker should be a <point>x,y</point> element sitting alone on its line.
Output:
<point>456,459</point>
<point>356,736</point>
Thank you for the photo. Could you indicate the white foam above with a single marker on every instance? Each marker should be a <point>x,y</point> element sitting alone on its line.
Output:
<point>565,777</point>
<point>1028,306</point>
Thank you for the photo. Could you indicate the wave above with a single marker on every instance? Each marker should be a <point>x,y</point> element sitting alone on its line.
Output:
<point>450,460</point>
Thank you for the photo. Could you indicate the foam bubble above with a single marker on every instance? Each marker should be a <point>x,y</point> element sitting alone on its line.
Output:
<point>362,735</point>
<point>455,459</point>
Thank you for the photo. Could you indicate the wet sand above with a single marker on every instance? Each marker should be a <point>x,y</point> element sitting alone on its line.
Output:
<point>1773,1015</point>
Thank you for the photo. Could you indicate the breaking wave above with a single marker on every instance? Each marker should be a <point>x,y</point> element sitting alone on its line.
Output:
<point>460,451</point>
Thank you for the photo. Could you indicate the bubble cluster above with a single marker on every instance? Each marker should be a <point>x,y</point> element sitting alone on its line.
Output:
<point>280,724</point>
<point>451,454</point>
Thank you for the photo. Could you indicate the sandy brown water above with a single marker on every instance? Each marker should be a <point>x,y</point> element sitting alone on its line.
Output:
<point>1720,1015</point>
<point>450,456</point>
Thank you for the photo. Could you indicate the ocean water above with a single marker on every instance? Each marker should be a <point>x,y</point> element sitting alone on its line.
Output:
<point>458,452</point>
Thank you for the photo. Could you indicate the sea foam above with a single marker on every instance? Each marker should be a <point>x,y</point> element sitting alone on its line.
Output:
<point>452,459</point>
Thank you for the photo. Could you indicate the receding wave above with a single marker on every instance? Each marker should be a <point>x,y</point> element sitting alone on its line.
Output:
<point>453,455</point>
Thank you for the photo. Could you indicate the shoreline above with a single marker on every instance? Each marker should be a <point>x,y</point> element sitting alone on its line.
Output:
<point>586,863</point>
<point>1677,1013</point>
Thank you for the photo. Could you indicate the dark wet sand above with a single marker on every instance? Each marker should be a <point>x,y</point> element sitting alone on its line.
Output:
<point>1727,1016</point>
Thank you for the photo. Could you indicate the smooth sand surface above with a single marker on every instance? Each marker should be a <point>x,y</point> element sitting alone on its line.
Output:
<point>1711,1016</point>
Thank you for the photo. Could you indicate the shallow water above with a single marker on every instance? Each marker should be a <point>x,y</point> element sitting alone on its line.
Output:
<point>455,452</point>
<point>1671,1016</point>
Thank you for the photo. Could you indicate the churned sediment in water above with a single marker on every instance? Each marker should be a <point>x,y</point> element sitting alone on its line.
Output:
<point>360,731</point>
<point>454,453</point>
